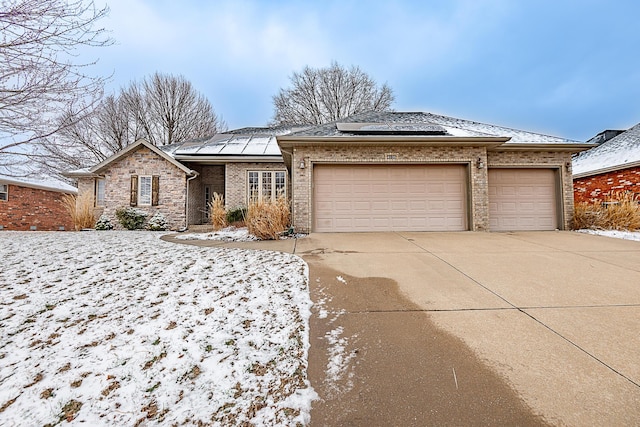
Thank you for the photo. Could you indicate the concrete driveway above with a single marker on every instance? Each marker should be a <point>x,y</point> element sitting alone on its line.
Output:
<point>555,314</point>
<point>526,328</point>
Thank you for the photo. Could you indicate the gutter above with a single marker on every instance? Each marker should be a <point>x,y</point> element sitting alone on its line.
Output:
<point>186,200</point>
<point>227,159</point>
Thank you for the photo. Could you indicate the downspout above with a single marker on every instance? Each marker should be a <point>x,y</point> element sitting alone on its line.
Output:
<point>186,200</point>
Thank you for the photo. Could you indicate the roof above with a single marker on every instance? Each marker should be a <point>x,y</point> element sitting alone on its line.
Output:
<point>164,152</point>
<point>248,143</point>
<point>453,127</point>
<point>620,152</point>
<point>40,182</point>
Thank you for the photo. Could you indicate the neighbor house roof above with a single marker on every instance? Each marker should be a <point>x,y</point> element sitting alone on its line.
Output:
<point>620,152</point>
<point>40,182</point>
<point>441,127</point>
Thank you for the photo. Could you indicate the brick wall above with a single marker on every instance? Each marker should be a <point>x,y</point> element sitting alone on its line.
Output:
<point>477,183</point>
<point>598,187</point>
<point>27,207</point>
<point>236,181</point>
<point>172,187</point>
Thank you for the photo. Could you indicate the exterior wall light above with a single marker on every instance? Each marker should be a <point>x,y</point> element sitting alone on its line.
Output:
<point>302,165</point>
<point>479,163</point>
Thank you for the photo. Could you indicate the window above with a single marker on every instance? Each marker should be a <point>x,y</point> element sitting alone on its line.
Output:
<point>145,190</point>
<point>4,192</point>
<point>266,184</point>
<point>100,191</point>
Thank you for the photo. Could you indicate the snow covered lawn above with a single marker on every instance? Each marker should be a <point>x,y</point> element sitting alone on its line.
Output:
<point>121,328</point>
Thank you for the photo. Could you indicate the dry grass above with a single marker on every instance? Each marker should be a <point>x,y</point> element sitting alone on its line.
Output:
<point>218,213</point>
<point>621,211</point>
<point>267,219</point>
<point>81,209</point>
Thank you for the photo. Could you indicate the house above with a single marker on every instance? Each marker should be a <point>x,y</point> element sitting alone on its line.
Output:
<point>374,171</point>
<point>34,204</point>
<point>612,166</point>
<point>179,180</point>
<point>427,172</point>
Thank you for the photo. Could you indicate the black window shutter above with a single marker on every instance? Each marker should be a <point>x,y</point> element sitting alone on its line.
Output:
<point>134,190</point>
<point>155,190</point>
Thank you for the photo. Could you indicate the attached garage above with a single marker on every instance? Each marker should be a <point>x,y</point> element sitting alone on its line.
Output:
<point>349,198</point>
<point>523,199</point>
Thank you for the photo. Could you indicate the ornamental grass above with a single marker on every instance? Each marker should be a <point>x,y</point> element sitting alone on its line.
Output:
<point>217,212</point>
<point>267,219</point>
<point>81,209</point>
<point>620,211</point>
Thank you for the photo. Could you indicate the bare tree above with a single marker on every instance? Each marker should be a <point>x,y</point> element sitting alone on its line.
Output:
<point>321,95</point>
<point>170,110</point>
<point>39,76</point>
<point>162,109</point>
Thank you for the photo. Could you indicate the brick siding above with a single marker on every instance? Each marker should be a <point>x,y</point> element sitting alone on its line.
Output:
<point>598,188</point>
<point>236,181</point>
<point>28,207</point>
<point>172,187</point>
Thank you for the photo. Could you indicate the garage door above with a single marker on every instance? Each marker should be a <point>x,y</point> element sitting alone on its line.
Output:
<point>522,199</point>
<point>389,198</point>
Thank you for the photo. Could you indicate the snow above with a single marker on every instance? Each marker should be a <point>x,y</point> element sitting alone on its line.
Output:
<point>618,234</point>
<point>621,150</point>
<point>341,279</point>
<point>227,234</point>
<point>40,181</point>
<point>121,328</point>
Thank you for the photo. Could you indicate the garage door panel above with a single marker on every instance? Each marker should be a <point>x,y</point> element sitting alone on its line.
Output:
<point>385,198</point>
<point>522,199</point>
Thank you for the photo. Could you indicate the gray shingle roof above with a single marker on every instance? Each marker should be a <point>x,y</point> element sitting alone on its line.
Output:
<point>453,126</point>
<point>617,153</point>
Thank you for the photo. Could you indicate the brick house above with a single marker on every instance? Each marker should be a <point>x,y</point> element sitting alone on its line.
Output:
<point>427,172</point>
<point>34,204</point>
<point>612,166</point>
<point>179,180</point>
<point>369,172</point>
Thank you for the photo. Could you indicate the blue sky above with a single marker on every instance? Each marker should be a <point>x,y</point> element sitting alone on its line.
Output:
<point>566,68</point>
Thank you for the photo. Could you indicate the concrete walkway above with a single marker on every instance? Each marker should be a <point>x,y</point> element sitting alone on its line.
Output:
<point>508,328</point>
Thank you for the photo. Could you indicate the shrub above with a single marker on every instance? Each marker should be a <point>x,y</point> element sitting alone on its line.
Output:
<point>267,219</point>
<point>157,222</point>
<point>620,211</point>
<point>104,223</point>
<point>81,209</point>
<point>217,212</point>
<point>131,218</point>
<point>236,215</point>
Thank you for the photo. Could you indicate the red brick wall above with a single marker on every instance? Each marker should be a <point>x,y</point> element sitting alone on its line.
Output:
<point>28,207</point>
<point>598,187</point>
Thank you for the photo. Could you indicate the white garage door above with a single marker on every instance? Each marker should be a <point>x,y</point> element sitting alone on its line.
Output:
<point>389,198</point>
<point>522,199</point>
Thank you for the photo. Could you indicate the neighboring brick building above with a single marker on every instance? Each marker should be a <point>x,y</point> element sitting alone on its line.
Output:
<point>613,166</point>
<point>32,204</point>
